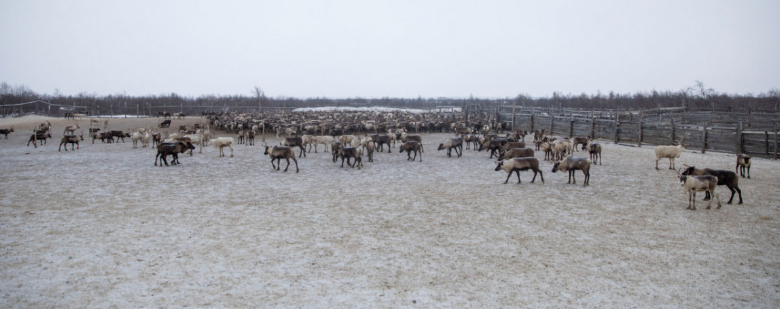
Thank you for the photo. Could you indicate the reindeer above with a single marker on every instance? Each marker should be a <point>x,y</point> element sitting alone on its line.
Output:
<point>572,164</point>
<point>519,164</point>
<point>71,139</point>
<point>671,152</point>
<point>278,153</point>
<point>725,178</point>
<point>70,129</point>
<point>6,131</point>
<point>699,183</point>
<point>743,163</point>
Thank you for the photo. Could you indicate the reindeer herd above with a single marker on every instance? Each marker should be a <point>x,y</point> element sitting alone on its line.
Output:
<point>349,141</point>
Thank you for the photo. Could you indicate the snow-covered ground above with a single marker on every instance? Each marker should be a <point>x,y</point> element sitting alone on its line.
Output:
<point>103,227</point>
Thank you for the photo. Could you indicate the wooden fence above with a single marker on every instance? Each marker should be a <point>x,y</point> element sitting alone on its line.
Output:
<point>731,132</point>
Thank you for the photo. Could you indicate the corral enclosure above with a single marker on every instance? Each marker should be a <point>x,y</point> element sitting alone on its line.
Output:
<point>103,227</point>
<point>732,131</point>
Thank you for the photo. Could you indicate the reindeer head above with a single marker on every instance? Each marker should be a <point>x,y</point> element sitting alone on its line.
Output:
<point>499,164</point>
<point>556,164</point>
<point>686,172</point>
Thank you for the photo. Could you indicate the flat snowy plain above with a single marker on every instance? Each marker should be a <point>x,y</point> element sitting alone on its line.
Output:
<point>102,227</point>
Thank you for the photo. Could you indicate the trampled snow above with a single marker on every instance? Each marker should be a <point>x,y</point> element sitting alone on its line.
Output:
<point>103,227</point>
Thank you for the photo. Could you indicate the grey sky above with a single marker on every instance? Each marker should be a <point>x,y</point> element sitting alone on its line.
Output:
<point>389,48</point>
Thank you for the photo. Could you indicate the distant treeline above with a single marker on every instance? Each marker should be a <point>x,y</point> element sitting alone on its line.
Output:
<point>696,97</point>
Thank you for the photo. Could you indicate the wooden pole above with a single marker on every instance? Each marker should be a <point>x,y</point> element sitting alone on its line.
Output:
<point>775,140</point>
<point>739,138</point>
<point>592,126</point>
<point>704,139</point>
<point>641,124</point>
<point>617,128</point>
<point>513,116</point>
<point>551,122</point>
<point>766,140</point>
<point>571,126</point>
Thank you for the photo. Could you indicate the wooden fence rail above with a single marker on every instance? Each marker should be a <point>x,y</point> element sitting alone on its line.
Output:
<point>751,133</point>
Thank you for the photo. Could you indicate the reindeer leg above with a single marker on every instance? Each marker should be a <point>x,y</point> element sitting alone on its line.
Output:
<point>288,164</point>
<point>507,177</point>
<point>518,176</point>
<point>689,200</point>
<point>740,194</point>
<point>717,196</point>
<point>587,178</point>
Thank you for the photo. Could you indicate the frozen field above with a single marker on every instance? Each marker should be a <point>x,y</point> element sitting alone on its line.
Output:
<point>102,227</point>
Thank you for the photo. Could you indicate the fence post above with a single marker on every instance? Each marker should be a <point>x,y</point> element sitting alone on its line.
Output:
<point>704,138</point>
<point>592,126</point>
<point>513,116</point>
<point>766,139</point>
<point>551,122</point>
<point>775,140</point>
<point>571,126</point>
<point>498,118</point>
<point>532,120</point>
<point>641,124</point>
<point>617,128</point>
<point>739,138</point>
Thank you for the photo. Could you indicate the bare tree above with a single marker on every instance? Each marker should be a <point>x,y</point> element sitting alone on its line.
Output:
<point>260,96</point>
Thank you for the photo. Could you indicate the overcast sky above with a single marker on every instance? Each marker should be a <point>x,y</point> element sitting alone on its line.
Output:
<point>393,48</point>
